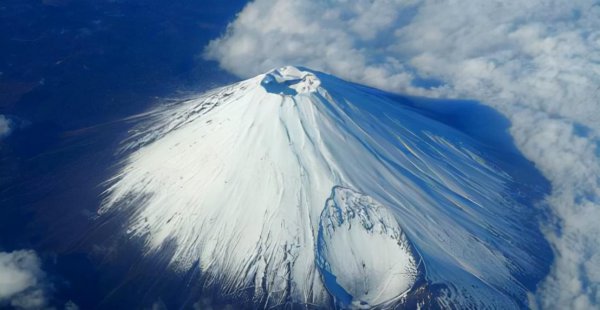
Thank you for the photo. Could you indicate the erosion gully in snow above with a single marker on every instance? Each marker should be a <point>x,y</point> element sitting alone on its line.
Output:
<point>296,187</point>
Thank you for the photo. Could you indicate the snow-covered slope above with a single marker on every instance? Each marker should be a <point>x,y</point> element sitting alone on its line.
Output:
<point>303,188</point>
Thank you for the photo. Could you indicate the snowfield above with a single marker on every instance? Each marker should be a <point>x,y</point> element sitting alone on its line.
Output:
<point>299,187</point>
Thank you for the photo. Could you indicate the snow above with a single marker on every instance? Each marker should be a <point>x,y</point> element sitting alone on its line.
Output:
<point>372,278</point>
<point>246,180</point>
<point>290,80</point>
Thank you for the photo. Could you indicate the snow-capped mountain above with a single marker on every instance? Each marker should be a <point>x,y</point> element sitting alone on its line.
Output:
<point>295,187</point>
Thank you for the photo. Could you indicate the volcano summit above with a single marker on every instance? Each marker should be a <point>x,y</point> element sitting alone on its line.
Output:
<point>297,188</point>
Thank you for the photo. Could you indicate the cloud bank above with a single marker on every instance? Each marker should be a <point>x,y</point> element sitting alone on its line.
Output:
<point>538,62</point>
<point>22,281</point>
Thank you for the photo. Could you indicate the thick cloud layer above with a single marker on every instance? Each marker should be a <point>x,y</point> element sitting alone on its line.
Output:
<point>538,62</point>
<point>22,280</point>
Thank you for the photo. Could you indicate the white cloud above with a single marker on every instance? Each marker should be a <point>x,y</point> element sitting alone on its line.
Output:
<point>538,62</point>
<point>22,280</point>
<point>5,126</point>
<point>70,305</point>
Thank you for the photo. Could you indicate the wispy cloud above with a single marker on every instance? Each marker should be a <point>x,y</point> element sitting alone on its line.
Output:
<point>537,61</point>
<point>5,126</point>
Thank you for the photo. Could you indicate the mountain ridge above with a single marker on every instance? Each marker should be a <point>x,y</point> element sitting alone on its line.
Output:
<point>240,178</point>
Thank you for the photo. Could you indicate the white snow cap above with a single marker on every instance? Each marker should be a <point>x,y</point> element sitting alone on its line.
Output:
<point>312,190</point>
